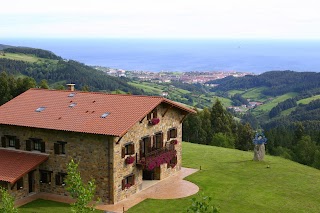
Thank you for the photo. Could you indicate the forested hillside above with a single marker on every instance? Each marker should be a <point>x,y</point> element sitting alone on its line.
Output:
<point>276,82</point>
<point>55,70</point>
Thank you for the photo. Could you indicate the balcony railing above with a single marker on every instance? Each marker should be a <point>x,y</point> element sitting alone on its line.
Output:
<point>157,157</point>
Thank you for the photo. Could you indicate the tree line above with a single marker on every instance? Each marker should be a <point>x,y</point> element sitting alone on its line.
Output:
<point>217,127</point>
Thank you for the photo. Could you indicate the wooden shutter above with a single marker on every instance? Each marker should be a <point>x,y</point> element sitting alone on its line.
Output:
<point>141,148</point>
<point>149,116</point>
<point>175,132</point>
<point>56,148</point>
<point>123,152</point>
<point>155,113</point>
<point>17,144</point>
<point>168,135</point>
<point>149,146</point>
<point>132,149</point>
<point>28,145</point>
<point>3,142</point>
<point>154,142</point>
<point>123,184</point>
<point>58,182</point>
<point>43,146</point>
<point>133,179</point>
<point>161,139</point>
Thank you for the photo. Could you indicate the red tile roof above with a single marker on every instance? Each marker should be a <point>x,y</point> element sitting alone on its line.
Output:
<point>15,164</point>
<point>125,111</point>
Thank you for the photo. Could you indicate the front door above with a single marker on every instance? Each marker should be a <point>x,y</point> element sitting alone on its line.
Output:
<point>31,181</point>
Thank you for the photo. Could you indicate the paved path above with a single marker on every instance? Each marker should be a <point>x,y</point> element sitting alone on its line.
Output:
<point>172,187</point>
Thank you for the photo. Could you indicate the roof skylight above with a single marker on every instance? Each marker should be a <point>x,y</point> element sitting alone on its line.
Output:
<point>104,115</point>
<point>73,105</point>
<point>72,94</point>
<point>40,109</point>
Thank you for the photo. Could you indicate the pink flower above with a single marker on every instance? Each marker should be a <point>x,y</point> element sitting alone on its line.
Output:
<point>130,159</point>
<point>154,121</point>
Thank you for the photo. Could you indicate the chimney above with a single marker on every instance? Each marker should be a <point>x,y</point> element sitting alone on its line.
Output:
<point>71,87</point>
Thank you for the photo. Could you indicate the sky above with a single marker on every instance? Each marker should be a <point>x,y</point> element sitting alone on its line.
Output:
<point>271,19</point>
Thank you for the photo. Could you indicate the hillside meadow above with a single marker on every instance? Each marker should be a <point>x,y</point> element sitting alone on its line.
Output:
<point>238,184</point>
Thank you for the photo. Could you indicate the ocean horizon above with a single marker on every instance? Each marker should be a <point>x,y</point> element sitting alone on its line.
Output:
<point>242,55</point>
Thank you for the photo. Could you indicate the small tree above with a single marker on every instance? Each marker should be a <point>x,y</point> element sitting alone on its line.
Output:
<point>202,205</point>
<point>83,193</point>
<point>6,202</point>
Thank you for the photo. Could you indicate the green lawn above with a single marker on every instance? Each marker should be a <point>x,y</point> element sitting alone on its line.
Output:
<point>46,206</point>
<point>238,184</point>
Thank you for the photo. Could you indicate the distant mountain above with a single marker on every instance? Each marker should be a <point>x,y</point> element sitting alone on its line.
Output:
<point>42,64</point>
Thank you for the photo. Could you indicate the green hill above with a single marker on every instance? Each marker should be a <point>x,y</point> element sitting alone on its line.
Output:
<point>42,64</point>
<point>238,184</point>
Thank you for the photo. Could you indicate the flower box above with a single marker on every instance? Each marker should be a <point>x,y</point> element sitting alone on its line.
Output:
<point>175,142</point>
<point>154,121</point>
<point>130,159</point>
<point>127,186</point>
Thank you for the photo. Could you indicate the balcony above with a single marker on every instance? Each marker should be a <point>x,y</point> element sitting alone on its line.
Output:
<point>157,157</point>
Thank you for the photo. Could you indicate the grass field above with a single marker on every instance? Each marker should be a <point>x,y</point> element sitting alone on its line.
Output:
<point>238,184</point>
<point>269,105</point>
<point>308,100</point>
<point>20,57</point>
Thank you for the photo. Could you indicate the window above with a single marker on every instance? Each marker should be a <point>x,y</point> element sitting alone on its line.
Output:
<point>40,109</point>
<point>153,114</point>
<point>158,140</point>
<point>35,144</point>
<point>145,146</point>
<point>128,149</point>
<point>172,133</point>
<point>73,105</point>
<point>10,141</point>
<point>60,179</point>
<point>128,181</point>
<point>60,148</point>
<point>104,115</point>
<point>45,176</point>
<point>71,95</point>
<point>3,185</point>
<point>20,184</point>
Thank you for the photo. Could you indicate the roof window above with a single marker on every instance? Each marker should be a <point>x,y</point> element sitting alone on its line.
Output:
<point>104,115</point>
<point>72,94</point>
<point>40,109</point>
<point>73,105</point>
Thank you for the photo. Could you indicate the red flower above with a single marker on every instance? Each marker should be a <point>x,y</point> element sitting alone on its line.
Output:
<point>174,142</point>
<point>154,121</point>
<point>130,159</point>
<point>127,186</point>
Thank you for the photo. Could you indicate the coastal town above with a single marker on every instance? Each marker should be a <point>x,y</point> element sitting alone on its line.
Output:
<point>166,77</point>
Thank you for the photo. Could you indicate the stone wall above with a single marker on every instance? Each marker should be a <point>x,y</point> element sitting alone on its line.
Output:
<point>171,119</point>
<point>89,150</point>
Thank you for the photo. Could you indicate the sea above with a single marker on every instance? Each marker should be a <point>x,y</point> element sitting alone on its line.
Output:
<point>241,55</point>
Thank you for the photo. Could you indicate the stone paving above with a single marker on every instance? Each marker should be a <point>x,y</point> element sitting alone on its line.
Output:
<point>172,187</point>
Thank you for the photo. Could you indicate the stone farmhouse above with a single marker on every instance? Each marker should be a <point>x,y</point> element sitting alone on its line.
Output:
<point>118,140</point>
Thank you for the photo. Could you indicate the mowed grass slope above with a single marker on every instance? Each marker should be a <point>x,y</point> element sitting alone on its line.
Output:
<point>238,184</point>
